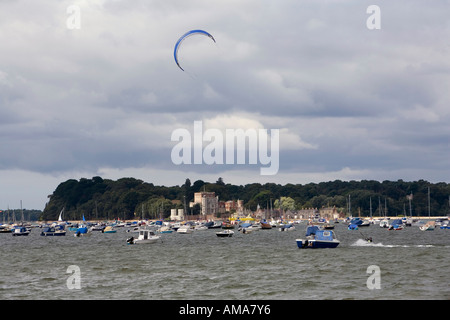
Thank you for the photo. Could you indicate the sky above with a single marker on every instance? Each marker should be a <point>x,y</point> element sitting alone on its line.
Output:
<point>91,88</point>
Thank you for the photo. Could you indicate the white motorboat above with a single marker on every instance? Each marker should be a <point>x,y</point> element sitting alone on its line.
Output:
<point>225,233</point>
<point>145,236</point>
<point>429,226</point>
<point>185,229</point>
<point>20,231</point>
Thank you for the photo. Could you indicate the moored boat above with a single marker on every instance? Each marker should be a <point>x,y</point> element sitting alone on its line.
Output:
<point>429,226</point>
<point>145,236</point>
<point>109,229</point>
<point>185,229</point>
<point>316,238</point>
<point>53,231</point>
<point>20,231</point>
<point>396,224</point>
<point>225,233</point>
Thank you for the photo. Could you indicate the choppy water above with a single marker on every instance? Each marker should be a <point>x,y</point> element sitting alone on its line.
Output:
<point>263,265</point>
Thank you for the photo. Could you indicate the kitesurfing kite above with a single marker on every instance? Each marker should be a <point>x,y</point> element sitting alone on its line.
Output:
<point>184,36</point>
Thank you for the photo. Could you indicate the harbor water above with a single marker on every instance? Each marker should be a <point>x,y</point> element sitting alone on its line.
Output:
<point>262,265</point>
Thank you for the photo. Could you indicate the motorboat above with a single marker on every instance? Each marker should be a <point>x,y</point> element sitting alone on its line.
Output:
<point>396,224</point>
<point>5,229</point>
<point>225,233</point>
<point>353,227</point>
<point>216,224</point>
<point>185,229</point>
<point>20,231</point>
<point>317,238</point>
<point>445,225</point>
<point>200,227</point>
<point>265,225</point>
<point>286,227</point>
<point>429,226</point>
<point>98,227</point>
<point>145,236</point>
<point>246,230</point>
<point>228,225</point>
<point>365,223</point>
<point>384,223</point>
<point>109,229</point>
<point>53,231</point>
<point>165,229</point>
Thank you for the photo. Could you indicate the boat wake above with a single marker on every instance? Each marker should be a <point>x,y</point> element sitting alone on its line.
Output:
<point>364,243</point>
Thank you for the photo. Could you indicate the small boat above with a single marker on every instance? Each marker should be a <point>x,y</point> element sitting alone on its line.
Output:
<point>396,224</point>
<point>316,238</point>
<point>384,223</point>
<point>216,224</point>
<point>145,236</point>
<point>429,226</point>
<point>266,226</point>
<point>5,229</point>
<point>98,227</point>
<point>53,231</point>
<point>20,231</point>
<point>286,227</point>
<point>365,223</point>
<point>225,233</point>
<point>165,229</point>
<point>246,230</point>
<point>200,227</point>
<point>185,229</point>
<point>227,225</point>
<point>445,225</point>
<point>328,226</point>
<point>352,227</point>
<point>109,229</point>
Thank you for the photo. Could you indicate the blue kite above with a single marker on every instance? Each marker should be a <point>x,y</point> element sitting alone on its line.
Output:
<point>184,36</point>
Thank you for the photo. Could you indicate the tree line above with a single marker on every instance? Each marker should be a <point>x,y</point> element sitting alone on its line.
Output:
<point>130,198</point>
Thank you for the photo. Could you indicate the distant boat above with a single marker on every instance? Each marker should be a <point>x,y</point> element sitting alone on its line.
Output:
<point>445,225</point>
<point>287,227</point>
<point>429,226</point>
<point>185,229</point>
<point>165,229</point>
<point>228,225</point>
<point>225,233</point>
<point>384,223</point>
<point>53,231</point>
<point>109,229</point>
<point>20,231</point>
<point>396,224</point>
<point>145,236</point>
<point>316,238</point>
<point>5,229</point>
<point>265,225</point>
<point>353,227</point>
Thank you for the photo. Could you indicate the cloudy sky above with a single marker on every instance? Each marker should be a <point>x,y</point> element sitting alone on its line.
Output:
<point>350,102</point>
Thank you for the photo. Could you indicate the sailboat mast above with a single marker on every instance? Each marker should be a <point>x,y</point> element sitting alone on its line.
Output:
<point>429,210</point>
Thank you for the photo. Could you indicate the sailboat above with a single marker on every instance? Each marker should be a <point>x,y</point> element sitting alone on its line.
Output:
<point>430,225</point>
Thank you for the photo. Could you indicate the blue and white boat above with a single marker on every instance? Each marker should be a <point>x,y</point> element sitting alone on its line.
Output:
<point>445,225</point>
<point>317,238</point>
<point>396,224</point>
<point>58,230</point>
<point>20,231</point>
<point>352,226</point>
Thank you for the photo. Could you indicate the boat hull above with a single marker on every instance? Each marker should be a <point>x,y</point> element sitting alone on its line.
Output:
<point>53,234</point>
<point>316,244</point>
